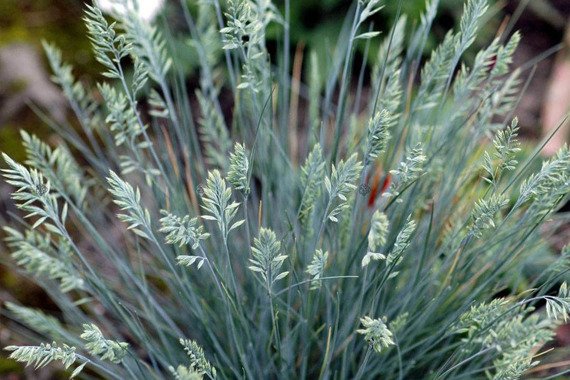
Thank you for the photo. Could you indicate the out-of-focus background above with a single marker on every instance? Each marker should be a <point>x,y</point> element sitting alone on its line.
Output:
<point>315,24</point>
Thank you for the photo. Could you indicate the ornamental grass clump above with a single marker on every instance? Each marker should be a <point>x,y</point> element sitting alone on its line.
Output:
<point>369,237</point>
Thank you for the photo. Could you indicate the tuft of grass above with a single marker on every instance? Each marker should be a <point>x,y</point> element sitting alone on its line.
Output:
<point>171,255</point>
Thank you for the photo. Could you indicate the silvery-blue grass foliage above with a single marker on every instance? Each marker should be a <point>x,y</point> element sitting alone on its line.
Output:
<point>367,241</point>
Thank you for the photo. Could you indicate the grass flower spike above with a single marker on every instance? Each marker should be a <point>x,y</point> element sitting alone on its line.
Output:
<point>376,333</point>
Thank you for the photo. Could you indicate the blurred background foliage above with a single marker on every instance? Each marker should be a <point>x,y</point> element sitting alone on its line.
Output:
<point>27,23</point>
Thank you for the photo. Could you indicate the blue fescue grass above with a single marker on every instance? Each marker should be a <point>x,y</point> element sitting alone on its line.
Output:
<point>188,243</point>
